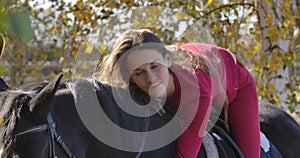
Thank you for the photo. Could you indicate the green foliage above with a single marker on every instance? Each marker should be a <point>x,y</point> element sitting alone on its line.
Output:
<point>68,33</point>
<point>20,25</point>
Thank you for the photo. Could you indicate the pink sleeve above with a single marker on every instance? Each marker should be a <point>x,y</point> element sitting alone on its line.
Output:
<point>190,141</point>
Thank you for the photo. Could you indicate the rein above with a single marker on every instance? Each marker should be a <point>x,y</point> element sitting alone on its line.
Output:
<point>53,136</point>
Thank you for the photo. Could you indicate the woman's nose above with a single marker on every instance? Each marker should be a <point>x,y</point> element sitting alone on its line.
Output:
<point>151,77</point>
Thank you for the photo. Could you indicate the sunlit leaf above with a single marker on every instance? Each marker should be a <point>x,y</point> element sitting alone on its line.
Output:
<point>208,3</point>
<point>277,99</point>
<point>89,48</point>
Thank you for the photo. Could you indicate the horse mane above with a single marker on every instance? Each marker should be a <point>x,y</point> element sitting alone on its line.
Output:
<point>72,83</point>
<point>11,105</point>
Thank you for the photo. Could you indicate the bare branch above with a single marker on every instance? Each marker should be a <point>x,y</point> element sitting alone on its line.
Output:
<point>229,6</point>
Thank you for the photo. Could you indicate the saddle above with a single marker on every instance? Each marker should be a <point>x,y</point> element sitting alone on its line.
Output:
<point>218,142</point>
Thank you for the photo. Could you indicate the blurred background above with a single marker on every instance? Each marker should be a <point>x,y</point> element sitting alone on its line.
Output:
<point>45,37</point>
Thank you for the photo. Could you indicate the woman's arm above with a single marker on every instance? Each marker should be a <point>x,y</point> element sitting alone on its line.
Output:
<point>190,141</point>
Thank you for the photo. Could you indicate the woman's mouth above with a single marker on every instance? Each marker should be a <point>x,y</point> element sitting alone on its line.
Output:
<point>154,85</point>
<point>157,90</point>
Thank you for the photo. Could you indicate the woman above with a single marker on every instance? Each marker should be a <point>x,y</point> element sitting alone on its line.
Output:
<point>140,61</point>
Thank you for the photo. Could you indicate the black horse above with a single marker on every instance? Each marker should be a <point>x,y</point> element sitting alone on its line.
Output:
<point>44,122</point>
<point>281,129</point>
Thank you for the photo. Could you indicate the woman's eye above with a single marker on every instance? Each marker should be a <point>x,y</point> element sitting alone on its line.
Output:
<point>138,73</point>
<point>154,66</point>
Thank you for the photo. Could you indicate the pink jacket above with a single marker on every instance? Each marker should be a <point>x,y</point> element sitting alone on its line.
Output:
<point>191,139</point>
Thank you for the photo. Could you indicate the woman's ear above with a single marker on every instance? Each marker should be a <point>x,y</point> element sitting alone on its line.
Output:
<point>169,60</point>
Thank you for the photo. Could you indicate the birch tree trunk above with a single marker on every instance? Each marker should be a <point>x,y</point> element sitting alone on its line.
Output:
<point>279,49</point>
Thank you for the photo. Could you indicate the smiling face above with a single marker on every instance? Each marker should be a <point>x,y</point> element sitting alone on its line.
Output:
<point>149,71</point>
